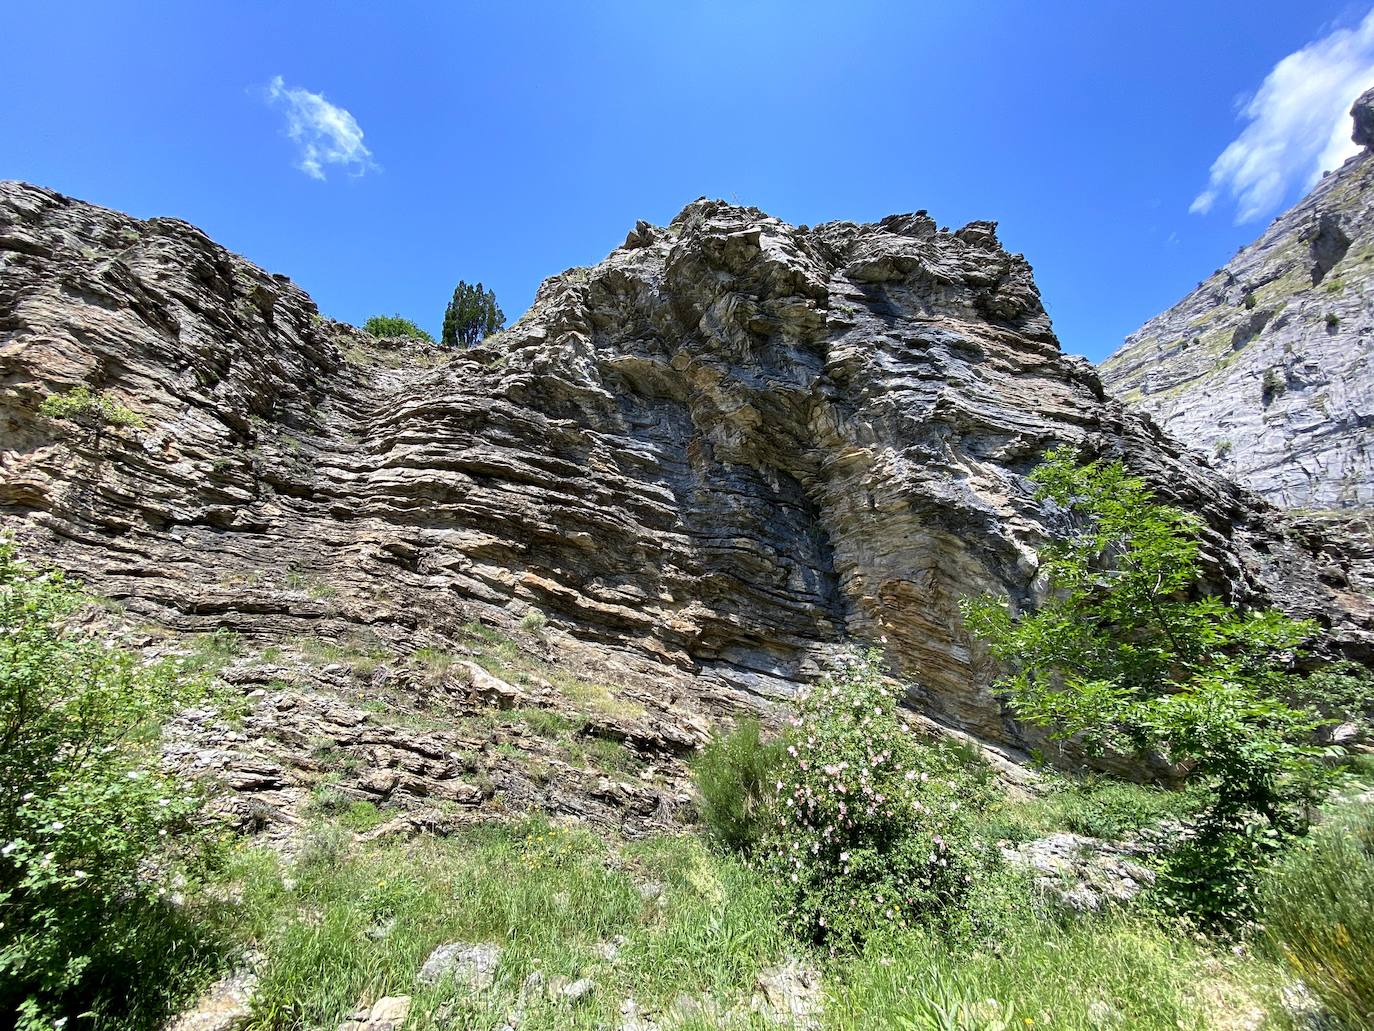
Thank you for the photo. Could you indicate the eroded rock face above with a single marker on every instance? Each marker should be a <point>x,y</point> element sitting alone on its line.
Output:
<point>1267,367</point>
<point>729,447</point>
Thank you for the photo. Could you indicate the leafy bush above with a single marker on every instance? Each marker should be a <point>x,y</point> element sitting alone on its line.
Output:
<point>735,777</point>
<point>1319,921</point>
<point>94,841</point>
<point>1121,656</point>
<point>872,825</point>
<point>395,326</point>
<point>1342,692</point>
<point>89,410</point>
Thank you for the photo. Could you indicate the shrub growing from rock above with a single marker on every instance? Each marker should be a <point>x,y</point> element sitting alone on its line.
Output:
<point>89,410</point>
<point>395,326</point>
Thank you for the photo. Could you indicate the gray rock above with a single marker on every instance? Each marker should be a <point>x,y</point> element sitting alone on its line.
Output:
<point>472,966</point>
<point>577,991</point>
<point>1084,874</point>
<point>789,995</point>
<point>1363,114</point>
<point>710,459</point>
<point>1267,368</point>
<point>227,1005</point>
<point>386,1014</point>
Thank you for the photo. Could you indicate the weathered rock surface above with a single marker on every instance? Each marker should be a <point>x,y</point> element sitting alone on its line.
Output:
<point>1084,874</point>
<point>711,458</point>
<point>1268,366</point>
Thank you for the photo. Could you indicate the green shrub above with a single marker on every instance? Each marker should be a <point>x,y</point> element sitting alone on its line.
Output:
<point>1121,656</point>
<point>1318,914</point>
<point>1342,692</point>
<point>872,829</point>
<point>89,410</point>
<point>395,326</point>
<point>95,840</point>
<point>735,777</point>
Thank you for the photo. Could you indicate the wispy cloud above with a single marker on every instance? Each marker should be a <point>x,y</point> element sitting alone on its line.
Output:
<point>325,133</point>
<point>1298,124</point>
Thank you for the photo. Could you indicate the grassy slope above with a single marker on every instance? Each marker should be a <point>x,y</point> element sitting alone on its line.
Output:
<point>350,922</point>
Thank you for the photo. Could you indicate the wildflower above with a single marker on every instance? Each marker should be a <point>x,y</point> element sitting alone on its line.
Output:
<point>57,825</point>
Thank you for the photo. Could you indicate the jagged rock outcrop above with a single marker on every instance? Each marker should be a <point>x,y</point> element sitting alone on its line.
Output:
<point>711,458</point>
<point>1268,366</point>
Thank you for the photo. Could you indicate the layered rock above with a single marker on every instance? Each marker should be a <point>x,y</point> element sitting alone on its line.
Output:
<point>728,448</point>
<point>1268,366</point>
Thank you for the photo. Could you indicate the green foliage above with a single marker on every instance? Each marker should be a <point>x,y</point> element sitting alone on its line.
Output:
<point>89,410</point>
<point>1342,692</point>
<point>872,829</point>
<point>94,839</point>
<point>471,315</point>
<point>395,326</point>
<point>1122,656</point>
<point>1096,806</point>
<point>735,776</point>
<point>1272,385</point>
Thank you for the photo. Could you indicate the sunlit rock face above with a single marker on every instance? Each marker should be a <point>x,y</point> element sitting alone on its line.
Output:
<point>729,448</point>
<point>1267,368</point>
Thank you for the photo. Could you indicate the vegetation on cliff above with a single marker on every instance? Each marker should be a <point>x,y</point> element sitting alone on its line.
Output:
<point>395,326</point>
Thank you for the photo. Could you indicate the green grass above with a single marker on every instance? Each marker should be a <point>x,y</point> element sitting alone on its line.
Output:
<point>349,922</point>
<point>501,656</point>
<point>359,921</point>
<point>1118,972</point>
<point>1318,911</point>
<point>1099,807</point>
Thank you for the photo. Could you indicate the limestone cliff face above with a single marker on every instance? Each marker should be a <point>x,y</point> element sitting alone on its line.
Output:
<point>1268,366</point>
<point>724,450</point>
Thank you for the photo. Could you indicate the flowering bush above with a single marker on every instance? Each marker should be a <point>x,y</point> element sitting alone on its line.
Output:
<point>90,857</point>
<point>872,822</point>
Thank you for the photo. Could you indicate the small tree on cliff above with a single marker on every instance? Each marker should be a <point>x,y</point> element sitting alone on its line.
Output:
<point>471,315</point>
<point>1123,655</point>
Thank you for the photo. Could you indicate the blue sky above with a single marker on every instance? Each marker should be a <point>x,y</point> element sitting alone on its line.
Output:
<point>507,142</point>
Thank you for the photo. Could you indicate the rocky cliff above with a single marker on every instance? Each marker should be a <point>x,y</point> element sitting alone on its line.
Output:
<point>1268,366</point>
<point>708,460</point>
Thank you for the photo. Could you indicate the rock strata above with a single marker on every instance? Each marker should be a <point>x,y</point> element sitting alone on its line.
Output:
<point>702,465</point>
<point>1267,368</point>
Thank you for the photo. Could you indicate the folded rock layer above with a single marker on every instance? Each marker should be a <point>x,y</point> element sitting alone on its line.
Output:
<point>728,448</point>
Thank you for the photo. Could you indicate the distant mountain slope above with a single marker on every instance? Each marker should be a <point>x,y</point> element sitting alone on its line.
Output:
<point>1268,366</point>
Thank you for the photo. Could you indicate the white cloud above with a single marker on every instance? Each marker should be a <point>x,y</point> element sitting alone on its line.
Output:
<point>1299,124</point>
<point>325,133</point>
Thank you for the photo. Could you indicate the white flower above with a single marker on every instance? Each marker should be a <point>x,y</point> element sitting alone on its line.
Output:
<point>57,825</point>
<point>80,875</point>
<point>27,797</point>
<point>9,848</point>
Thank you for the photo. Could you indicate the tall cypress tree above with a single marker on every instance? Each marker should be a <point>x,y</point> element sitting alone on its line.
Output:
<point>471,315</point>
